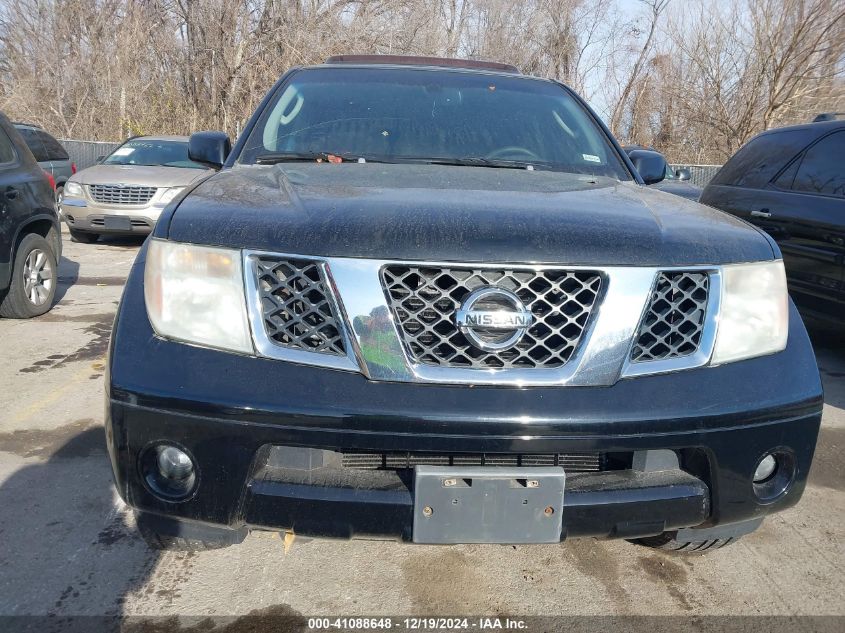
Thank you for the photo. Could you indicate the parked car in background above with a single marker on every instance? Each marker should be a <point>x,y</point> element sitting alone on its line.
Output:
<point>829,116</point>
<point>791,183</point>
<point>126,191</point>
<point>445,309</point>
<point>30,234</point>
<point>674,181</point>
<point>50,154</point>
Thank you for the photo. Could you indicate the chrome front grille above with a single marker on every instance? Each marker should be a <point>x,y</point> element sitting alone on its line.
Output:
<point>398,321</point>
<point>121,194</point>
<point>297,308</point>
<point>571,462</point>
<point>674,319</point>
<point>424,301</point>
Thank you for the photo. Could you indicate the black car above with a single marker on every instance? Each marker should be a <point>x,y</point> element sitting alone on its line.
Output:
<point>432,300</point>
<point>30,236</point>
<point>791,183</point>
<point>674,181</point>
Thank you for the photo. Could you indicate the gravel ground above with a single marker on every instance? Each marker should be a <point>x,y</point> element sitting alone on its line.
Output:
<point>67,544</point>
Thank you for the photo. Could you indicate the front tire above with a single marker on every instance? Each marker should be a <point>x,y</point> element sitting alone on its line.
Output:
<point>161,541</point>
<point>34,278</point>
<point>668,542</point>
<point>83,237</point>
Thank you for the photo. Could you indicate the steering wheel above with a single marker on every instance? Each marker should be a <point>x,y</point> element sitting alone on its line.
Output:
<point>506,153</point>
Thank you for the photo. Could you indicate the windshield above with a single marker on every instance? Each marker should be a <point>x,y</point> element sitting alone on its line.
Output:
<point>407,115</point>
<point>142,151</point>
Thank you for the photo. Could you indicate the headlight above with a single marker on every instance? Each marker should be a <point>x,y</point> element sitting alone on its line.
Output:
<point>754,314</point>
<point>169,194</point>
<point>73,188</point>
<point>196,294</point>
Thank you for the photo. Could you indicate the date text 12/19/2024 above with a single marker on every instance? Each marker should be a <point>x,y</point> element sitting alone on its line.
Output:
<point>416,624</point>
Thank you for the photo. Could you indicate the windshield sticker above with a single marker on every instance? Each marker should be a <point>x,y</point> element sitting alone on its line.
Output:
<point>123,151</point>
<point>591,158</point>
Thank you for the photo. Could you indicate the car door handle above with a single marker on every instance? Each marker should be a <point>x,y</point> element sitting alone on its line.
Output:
<point>762,213</point>
<point>11,193</point>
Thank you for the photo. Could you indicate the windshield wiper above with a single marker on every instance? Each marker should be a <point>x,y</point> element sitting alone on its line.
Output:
<point>273,158</point>
<point>478,161</point>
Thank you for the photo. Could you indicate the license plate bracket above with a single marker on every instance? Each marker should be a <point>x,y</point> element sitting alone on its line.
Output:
<point>488,504</point>
<point>117,223</point>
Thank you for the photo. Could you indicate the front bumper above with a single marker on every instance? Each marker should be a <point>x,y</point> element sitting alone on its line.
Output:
<point>83,214</point>
<point>230,412</point>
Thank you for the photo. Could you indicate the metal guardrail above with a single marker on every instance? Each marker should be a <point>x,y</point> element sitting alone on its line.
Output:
<point>700,174</point>
<point>85,153</point>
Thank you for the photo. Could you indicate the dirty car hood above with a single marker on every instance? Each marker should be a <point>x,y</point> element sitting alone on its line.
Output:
<point>428,212</point>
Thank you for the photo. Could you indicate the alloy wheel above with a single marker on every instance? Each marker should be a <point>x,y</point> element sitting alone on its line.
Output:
<point>37,277</point>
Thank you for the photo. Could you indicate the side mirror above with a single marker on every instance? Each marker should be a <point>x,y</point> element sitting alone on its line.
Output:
<point>100,158</point>
<point>650,165</point>
<point>209,148</point>
<point>683,174</point>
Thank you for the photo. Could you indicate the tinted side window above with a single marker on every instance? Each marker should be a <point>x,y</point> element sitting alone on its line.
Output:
<point>786,179</point>
<point>757,162</point>
<point>54,149</point>
<point>7,152</point>
<point>34,144</point>
<point>823,168</point>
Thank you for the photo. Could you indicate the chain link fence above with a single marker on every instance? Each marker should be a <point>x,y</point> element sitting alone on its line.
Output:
<point>700,175</point>
<point>85,153</point>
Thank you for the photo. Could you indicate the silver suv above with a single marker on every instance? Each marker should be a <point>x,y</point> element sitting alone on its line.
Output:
<point>127,190</point>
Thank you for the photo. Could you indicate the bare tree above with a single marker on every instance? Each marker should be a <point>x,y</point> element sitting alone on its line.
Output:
<point>694,81</point>
<point>758,65</point>
<point>654,10</point>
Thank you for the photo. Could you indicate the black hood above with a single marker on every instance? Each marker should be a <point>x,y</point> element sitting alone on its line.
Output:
<point>428,212</point>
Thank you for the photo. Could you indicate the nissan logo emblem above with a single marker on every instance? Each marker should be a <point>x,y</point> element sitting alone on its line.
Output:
<point>493,319</point>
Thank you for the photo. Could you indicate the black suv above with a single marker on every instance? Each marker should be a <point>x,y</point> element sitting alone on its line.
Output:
<point>30,236</point>
<point>51,156</point>
<point>791,183</point>
<point>432,300</point>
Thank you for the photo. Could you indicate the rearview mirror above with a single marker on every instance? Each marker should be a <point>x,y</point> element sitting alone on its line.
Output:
<point>683,174</point>
<point>650,165</point>
<point>209,148</point>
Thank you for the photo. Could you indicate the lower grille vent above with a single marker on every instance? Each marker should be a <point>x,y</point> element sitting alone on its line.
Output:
<point>571,462</point>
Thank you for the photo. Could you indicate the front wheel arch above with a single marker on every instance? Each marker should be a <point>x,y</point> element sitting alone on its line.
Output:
<point>43,225</point>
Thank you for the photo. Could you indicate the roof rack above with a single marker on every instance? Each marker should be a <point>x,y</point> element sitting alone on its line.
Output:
<point>412,60</point>
<point>35,125</point>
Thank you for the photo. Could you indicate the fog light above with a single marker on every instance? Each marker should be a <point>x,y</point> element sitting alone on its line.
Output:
<point>174,463</point>
<point>765,469</point>
<point>774,475</point>
<point>169,472</point>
